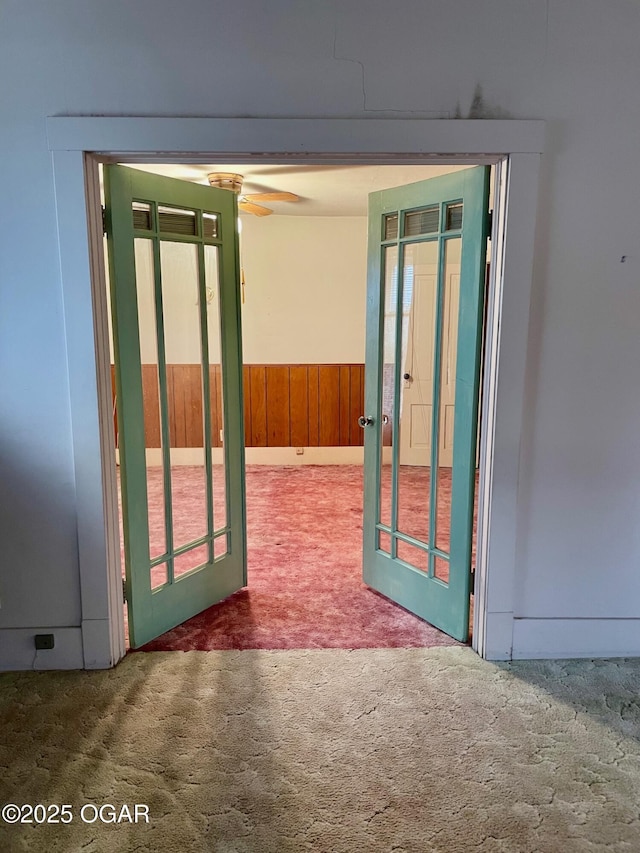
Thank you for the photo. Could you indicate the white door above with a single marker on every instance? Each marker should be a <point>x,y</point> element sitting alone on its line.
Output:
<point>419,308</point>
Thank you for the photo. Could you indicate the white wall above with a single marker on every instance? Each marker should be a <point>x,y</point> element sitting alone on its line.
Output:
<point>576,65</point>
<point>304,295</point>
<point>180,303</point>
<point>305,289</point>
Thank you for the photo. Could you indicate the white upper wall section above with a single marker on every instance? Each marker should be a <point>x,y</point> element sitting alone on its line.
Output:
<point>304,295</point>
<point>575,65</point>
<point>305,289</point>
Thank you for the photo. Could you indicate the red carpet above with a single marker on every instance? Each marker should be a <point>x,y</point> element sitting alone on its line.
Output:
<point>305,590</point>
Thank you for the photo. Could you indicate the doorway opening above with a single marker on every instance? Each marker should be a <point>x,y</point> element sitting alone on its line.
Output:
<point>303,333</point>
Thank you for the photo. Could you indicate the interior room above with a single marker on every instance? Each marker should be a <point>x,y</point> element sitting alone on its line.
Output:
<point>303,277</point>
<point>527,741</point>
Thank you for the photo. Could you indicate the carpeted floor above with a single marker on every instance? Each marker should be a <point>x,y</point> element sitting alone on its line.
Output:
<point>329,751</point>
<point>304,540</point>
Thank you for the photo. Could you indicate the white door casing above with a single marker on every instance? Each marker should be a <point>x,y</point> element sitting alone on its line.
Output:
<point>516,147</point>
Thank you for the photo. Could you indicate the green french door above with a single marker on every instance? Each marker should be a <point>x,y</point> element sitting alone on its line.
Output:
<point>426,269</point>
<point>174,281</point>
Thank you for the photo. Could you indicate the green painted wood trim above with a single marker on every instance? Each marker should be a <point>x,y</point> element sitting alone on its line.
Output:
<point>157,561</point>
<point>196,543</point>
<point>443,604</point>
<point>411,540</point>
<point>231,370</point>
<point>470,314</point>
<point>168,237</point>
<point>372,380</point>
<point>153,612</point>
<point>173,604</point>
<point>128,377</point>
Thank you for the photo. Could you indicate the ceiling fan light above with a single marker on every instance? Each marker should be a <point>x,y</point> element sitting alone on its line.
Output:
<point>226,181</point>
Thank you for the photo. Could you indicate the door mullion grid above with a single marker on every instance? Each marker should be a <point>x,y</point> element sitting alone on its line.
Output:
<point>206,398</point>
<point>164,403</point>
<point>435,408</point>
<point>397,370</point>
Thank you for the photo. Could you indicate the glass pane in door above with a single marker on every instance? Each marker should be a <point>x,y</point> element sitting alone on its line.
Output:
<point>419,305</point>
<point>416,557</point>
<point>384,542</point>
<point>387,379</point>
<point>194,558</point>
<point>184,382</point>
<point>447,389</point>
<point>212,290</point>
<point>220,546</point>
<point>441,569</point>
<point>145,291</point>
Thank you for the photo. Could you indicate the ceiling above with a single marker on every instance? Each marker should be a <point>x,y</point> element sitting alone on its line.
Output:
<point>324,190</point>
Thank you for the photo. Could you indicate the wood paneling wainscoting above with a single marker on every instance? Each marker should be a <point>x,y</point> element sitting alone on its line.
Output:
<point>285,405</point>
<point>303,405</point>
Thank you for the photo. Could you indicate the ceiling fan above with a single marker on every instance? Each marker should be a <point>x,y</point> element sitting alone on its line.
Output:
<point>248,203</point>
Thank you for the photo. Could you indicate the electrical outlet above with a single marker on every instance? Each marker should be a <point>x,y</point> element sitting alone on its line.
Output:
<point>44,641</point>
<point>299,451</point>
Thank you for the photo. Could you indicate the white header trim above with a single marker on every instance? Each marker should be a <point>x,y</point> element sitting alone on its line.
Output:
<point>388,139</point>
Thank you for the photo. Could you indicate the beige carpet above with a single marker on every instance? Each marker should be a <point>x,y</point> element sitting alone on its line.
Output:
<point>404,750</point>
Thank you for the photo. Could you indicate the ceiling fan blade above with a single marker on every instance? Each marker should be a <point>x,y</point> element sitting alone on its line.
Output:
<point>272,197</point>
<point>256,209</point>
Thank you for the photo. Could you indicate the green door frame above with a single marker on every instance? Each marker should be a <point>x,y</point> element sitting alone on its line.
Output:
<point>154,611</point>
<point>444,604</point>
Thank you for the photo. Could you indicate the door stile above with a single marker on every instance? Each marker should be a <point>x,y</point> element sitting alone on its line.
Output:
<point>128,384</point>
<point>468,386</point>
<point>231,374</point>
<point>374,355</point>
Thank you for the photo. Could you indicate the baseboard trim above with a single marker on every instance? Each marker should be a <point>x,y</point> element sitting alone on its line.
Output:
<point>498,636</point>
<point>264,456</point>
<point>575,638</point>
<point>96,644</point>
<point>17,650</point>
<point>310,456</point>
